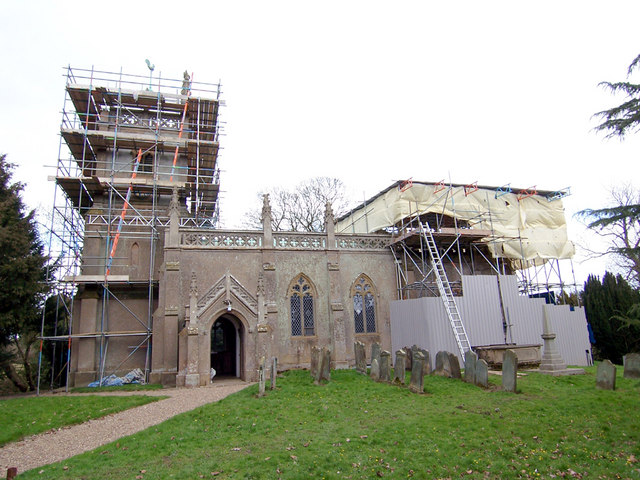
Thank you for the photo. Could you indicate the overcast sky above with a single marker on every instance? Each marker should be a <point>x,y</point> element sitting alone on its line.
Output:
<point>367,91</point>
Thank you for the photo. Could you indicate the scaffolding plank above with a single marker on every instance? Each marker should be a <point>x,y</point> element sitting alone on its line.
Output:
<point>445,232</point>
<point>80,190</point>
<point>97,279</point>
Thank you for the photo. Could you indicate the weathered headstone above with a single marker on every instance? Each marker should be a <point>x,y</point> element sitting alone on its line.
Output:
<point>454,363</point>
<point>632,365</point>
<point>482,373</point>
<point>470,361</point>
<point>375,369</point>
<point>375,353</point>
<point>325,371</point>
<point>414,348</point>
<point>426,369</point>
<point>274,372</point>
<point>606,375</point>
<point>443,364</point>
<point>509,371</point>
<point>399,371</point>
<point>408,358</point>
<point>361,357</point>
<point>315,361</point>
<point>261,378</point>
<point>417,378</point>
<point>385,366</point>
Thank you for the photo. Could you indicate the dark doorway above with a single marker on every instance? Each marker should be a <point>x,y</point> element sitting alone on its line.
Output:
<point>224,347</point>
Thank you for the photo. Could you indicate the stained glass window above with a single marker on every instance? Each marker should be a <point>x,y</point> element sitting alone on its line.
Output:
<point>301,303</point>
<point>364,305</point>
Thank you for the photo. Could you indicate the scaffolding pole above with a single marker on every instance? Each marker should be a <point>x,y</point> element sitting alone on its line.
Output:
<point>104,116</point>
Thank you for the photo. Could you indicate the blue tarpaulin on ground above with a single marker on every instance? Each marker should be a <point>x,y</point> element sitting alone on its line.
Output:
<point>134,376</point>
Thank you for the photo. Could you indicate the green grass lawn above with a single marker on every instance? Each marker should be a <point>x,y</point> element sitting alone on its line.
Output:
<point>353,427</point>
<point>130,387</point>
<point>26,416</point>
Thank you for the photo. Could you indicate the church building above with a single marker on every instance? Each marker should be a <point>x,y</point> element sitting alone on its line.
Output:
<point>151,282</point>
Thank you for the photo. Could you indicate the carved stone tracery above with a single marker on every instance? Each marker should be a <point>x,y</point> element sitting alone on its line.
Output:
<point>235,287</point>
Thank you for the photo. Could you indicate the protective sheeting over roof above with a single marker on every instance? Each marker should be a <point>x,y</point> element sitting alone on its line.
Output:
<point>528,226</point>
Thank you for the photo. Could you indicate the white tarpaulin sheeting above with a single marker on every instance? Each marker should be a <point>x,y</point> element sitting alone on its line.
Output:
<point>532,228</point>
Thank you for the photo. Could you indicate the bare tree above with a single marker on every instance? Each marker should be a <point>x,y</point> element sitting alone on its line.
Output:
<point>301,209</point>
<point>620,225</point>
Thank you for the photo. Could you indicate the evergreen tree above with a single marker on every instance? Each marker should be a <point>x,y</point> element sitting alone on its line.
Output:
<point>621,222</point>
<point>620,226</point>
<point>613,306</point>
<point>625,118</point>
<point>606,302</point>
<point>22,280</point>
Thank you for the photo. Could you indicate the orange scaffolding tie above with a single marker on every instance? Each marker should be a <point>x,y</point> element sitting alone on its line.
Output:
<point>124,212</point>
<point>184,116</point>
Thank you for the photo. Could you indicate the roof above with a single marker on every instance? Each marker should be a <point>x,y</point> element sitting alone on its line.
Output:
<point>525,224</point>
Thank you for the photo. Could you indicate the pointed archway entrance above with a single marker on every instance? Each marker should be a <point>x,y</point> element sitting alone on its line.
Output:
<point>218,333</point>
<point>226,346</point>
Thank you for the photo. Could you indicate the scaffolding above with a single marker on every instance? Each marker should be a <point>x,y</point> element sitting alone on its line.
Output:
<point>467,241</point>
<point>128,145</point>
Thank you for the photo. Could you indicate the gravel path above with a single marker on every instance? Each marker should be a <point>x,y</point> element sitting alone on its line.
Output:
<point>36,451</point>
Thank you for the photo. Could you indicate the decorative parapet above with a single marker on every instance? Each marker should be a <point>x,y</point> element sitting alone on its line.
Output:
<point>222,239</point>
<point>299,241</point>
<point>362,242</point>
<point>306,241</point>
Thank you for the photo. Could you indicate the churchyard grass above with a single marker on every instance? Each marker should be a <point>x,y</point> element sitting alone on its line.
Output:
<point>26,416</point>
<point>353,427</point>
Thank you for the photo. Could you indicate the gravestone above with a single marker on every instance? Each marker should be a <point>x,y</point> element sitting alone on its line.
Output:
<point>385,366</point>
<point>399,371</point>
<point>274,372</point>
<point>375,353</point>
<point>361,357</point>
<point>315,361</point>
<point>443,364</point>
<point>408,358</point>
<point>426,369</point>
<point>261,379</point>
<point>631,365</point>
<point>606,375</point>
<point>375,370</point>
<point>482,374</point>
<point>470,361</point>
<point>509,371</point>
<point>417,378</point>
<point>454,363</point>
<point>325,371</point>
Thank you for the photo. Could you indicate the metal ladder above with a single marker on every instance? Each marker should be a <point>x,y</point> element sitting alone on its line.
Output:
<point>445,292</point>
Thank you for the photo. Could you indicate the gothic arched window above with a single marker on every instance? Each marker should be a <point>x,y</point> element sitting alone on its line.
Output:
<point>301,293</point>
<point>364,305</point>
<point>135,255</point>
